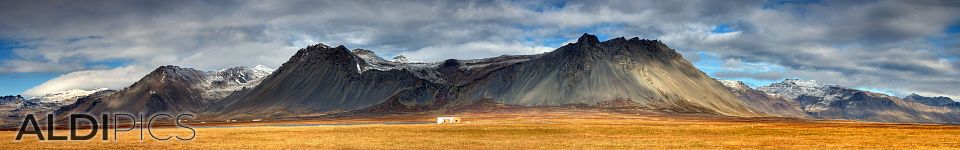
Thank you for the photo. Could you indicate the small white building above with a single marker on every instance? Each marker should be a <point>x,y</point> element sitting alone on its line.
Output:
<point>448,120</point>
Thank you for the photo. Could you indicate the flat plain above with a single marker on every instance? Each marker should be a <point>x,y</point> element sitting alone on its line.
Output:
<point>532,129</point>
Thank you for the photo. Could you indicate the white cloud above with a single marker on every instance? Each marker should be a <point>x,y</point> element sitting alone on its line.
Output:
<point>90,79</point>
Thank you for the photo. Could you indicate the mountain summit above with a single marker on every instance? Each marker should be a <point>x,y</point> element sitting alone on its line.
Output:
<point>931,101</point>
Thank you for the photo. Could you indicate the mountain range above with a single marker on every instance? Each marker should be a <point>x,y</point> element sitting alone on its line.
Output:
<point>321,79</point>
<point>15,106</point>
<point>634,73</point>
<point>827,101</point>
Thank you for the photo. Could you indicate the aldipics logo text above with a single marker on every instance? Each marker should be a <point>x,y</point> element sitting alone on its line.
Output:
<point>79,123</point>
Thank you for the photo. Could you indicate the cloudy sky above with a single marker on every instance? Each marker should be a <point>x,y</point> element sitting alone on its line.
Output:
<point>895,47</point>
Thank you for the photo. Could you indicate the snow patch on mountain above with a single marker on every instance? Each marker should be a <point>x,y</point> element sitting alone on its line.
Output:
<point>734,84</point>
<point>66,97</point>
<point>263,71</point>
<point>222,83</point>
<point>400,59</point>
<point>794,88</point>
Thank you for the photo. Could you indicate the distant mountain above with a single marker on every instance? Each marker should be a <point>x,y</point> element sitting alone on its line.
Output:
<point>400,58</point>
<point>763,102</point>
<point>172,89</point>
<point>930,101</point>
<point>321,79</point>
<point>9,103</point>
<point>14,107</point>
<point>827,101</point>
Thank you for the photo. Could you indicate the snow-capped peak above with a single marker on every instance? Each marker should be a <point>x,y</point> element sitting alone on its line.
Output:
<point>805,83</point>
<point>263,68</point>
<point>219,84</point>
<point>67,95</point>
<point>794,88</point>
<point>400,58</point>
<point>734,84</point>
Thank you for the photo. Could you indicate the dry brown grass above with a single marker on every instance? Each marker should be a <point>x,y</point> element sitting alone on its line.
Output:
<point>547,130</point>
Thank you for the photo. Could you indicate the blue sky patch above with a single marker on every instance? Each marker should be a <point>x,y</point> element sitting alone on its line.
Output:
<point>17,83</point>
<point>723,28</point>
<point>6,49</point>
<point>953,29</point>
<point>711,64</point>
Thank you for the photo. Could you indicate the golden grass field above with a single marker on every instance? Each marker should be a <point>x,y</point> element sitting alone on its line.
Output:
<point>537,129</point>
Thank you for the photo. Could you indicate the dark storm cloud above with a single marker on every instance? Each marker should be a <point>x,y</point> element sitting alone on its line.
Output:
<point>881,44</point>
